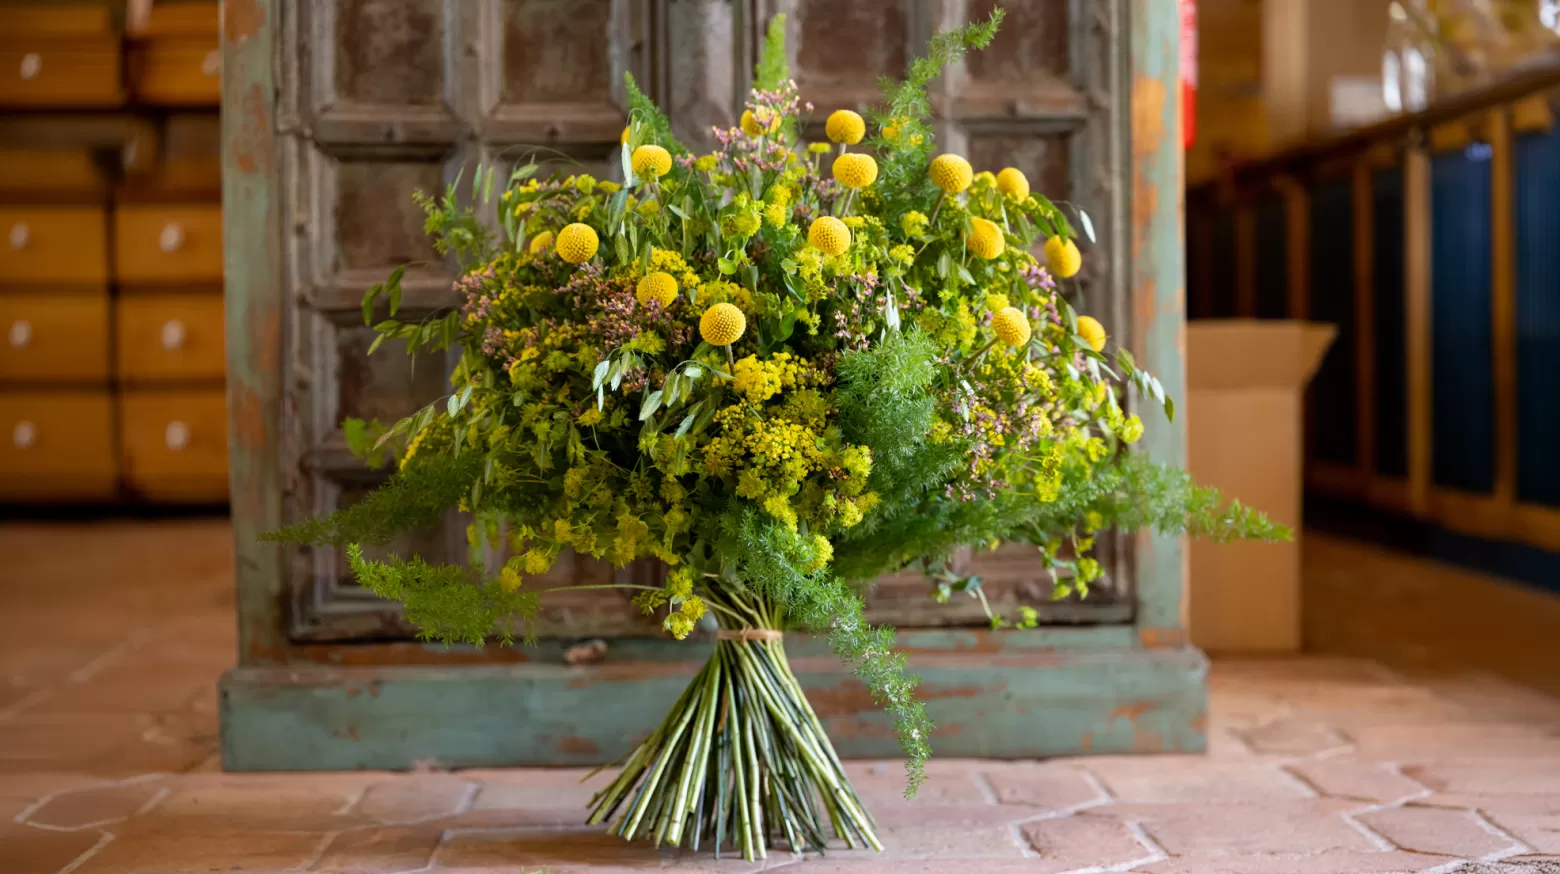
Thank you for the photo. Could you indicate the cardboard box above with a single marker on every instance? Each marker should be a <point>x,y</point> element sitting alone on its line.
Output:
<point>1246,387</point>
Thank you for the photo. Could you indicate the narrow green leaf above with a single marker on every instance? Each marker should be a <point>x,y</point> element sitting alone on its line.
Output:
<point>687,423</point>
<point>652,403</point>
<point>1088,223</point>
<point>368,301</point>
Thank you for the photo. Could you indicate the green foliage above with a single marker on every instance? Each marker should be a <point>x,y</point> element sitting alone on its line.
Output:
<point>902,160</point>
<point>773,66</point>
<point>419,495</point>
<point>447,603</point>
<point>649,124</point>
<point>769,558</point>
<point>454,229</point>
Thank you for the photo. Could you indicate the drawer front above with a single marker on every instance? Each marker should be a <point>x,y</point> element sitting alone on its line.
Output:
<point>56,446</point>
<point>53,337</point>
<point>178,244</point>
<point>53,245</point>
<point>178,19</point>
<point>57,19</point>
<point>175,443</point>
<point>180,73</point>
<point>171,336</point>
<point>54,73</point>
<point>33,173</point>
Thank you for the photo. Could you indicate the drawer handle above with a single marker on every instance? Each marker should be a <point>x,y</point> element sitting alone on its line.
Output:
<point>177,435</point>
<point>20,235</point>
<point>21,333</point>
<point>32,65</point>
<point>212,64</point>
<point>172,237</point>
<point>173,334</point>
<point>24,434</point>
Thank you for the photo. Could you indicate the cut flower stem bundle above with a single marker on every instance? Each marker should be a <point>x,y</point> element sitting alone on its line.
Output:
<point>741,761</point>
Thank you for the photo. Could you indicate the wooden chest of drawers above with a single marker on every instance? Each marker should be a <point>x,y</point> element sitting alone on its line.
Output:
<point>112,357</point>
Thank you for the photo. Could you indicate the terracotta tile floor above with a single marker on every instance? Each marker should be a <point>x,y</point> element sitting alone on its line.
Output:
<point>112,636</point>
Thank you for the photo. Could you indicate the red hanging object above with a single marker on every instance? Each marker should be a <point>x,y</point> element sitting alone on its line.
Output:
<point>1188,73</point>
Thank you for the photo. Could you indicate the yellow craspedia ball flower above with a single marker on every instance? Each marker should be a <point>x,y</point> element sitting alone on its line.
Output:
<point>752,128</point>
<point>986,177</point>
<point>722,324</point>
<point>577,243</point>
<point>1090,329</point>
<point>855,170</point>
<point>659,287</point>
<point>985,238</point>
<point>540,242</point>
<point>1012,181</point>
<point>623,137</point>
<point>845,127</point>
<point>1010,326</point>
<point>829,235</point>
<point>651,162</point>
<point>1063,257</point>
<point>951,173</point>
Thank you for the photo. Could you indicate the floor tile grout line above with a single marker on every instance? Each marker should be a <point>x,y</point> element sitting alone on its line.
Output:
<point>1102,797</point>
<point>983,783</point>
<point>318,855</point>
<point>104,839</point>
<point>151,803</point>
<point>26,812</point>
<point>1517,845</point>
<point>1381,841</point>
<point>24,702</point>
<point>357,798</point>
<point>132,641</point>
<point>1157,853</point>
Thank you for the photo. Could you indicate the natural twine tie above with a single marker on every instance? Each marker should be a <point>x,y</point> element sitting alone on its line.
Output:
<point>749,635</point>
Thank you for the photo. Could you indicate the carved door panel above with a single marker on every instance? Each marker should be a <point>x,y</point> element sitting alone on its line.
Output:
<point>382,98</point>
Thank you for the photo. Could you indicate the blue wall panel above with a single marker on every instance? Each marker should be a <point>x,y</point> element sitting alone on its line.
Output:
<point>1334,389</point>
<point>1536,169</point>
<point>1391,366</point>
<point>1462,370</point>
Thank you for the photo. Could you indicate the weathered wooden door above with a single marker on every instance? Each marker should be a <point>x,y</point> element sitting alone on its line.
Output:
<point>337,111</point>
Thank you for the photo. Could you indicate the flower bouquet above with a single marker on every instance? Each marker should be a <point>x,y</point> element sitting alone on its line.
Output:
<point>781,369</point>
